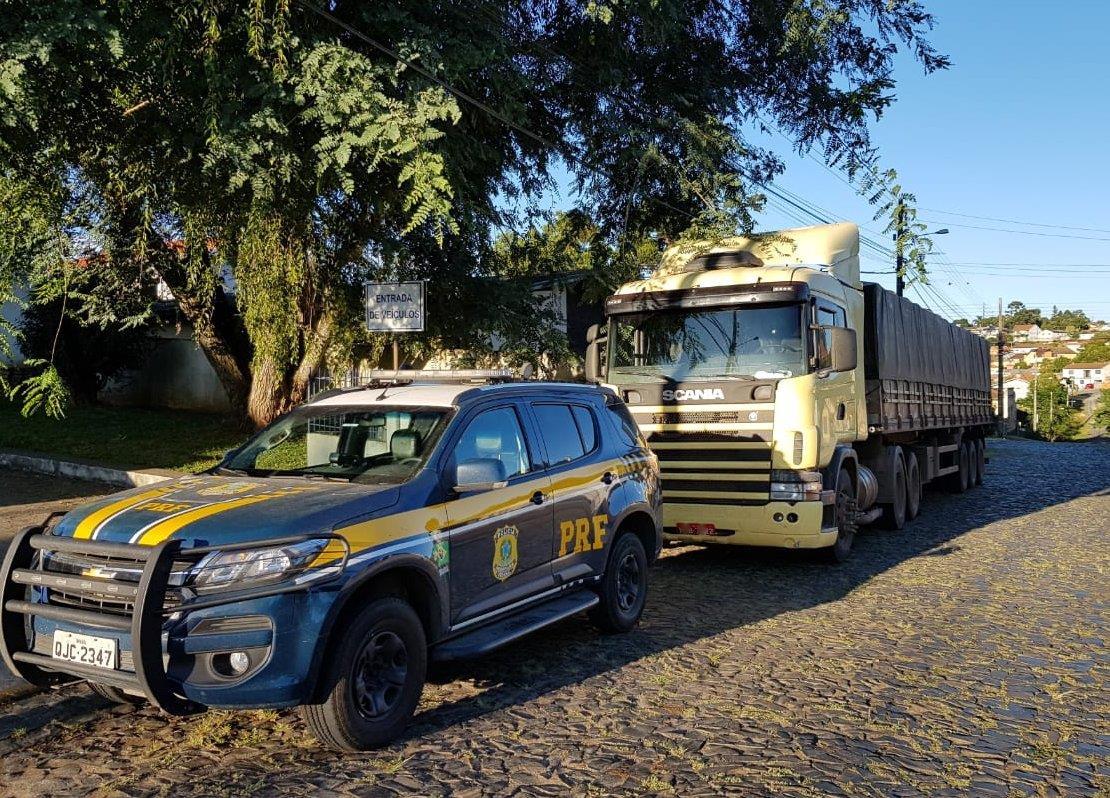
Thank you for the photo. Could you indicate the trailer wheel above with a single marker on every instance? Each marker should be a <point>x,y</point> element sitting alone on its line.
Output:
<point>980,460</point>
<point>913,487</point>
<point>972,464</point>
<point>845,518</point>
<point>958,482</point>
<point>894,512</point>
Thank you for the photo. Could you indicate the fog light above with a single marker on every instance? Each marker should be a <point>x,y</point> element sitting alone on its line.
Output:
<point>239,662</point>
<point>792,517</point>
<point>777,517</point>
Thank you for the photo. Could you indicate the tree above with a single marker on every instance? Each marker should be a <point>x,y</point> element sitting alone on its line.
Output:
<point>1067,320</point>
<point>1056,420</point>
<point>304,148</point>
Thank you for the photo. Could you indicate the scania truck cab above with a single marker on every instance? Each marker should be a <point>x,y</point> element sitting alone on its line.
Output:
<point>743,362</point>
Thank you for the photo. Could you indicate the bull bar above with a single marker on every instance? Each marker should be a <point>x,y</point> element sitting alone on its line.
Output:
<point>146,598</point>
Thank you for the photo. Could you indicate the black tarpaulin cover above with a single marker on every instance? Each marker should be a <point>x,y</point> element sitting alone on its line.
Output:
<point>904,341</point>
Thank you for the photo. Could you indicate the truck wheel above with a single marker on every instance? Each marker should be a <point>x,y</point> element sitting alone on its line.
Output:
<point>894,513</point>
<point>114,694</point>
<point>972,464</point>
<point>913,487</point>
<point>372,680</point>
<point>623,588</point>
<point>980,460</point>
<point>845,518</point>
<point>958,481</point>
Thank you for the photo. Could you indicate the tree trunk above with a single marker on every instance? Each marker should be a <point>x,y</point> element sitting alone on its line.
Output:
<point>274,389</point>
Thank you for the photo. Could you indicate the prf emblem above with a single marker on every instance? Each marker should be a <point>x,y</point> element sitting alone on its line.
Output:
<point>504,552</point>
<point>582,534</point>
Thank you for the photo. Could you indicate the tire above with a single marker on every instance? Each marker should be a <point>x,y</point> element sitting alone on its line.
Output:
<point>624,586</point>
<point>980,460</point>
<point>972,464</point>
<point>894,513</point>
<point>845,519</point>
<point>958,482</point>
<point>385,646</point>
<point>913,487</point>
<point>115,695</point>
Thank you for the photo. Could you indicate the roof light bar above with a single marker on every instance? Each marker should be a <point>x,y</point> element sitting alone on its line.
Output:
<point>439,375</point>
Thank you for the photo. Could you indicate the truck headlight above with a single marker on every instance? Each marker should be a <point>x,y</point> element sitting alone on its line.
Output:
<point>795,486</point>
<point>223,568</point>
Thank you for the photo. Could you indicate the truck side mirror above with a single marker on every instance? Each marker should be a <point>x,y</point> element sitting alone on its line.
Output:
<point>842,349</point>
<point>595,344</point>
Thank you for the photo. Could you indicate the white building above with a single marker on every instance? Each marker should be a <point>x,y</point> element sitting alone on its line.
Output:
<point>1084,374</point>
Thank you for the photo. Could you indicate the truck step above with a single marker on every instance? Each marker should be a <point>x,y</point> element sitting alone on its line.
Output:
<point>487,638</point>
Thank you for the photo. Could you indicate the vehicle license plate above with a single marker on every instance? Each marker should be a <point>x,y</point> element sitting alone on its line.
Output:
<point>85,649</point>
<point>697,529</point>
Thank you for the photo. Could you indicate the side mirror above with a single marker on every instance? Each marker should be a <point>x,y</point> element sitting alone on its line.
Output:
<point>595,342</point>
<point>479,474</point>
<point>842,349</point>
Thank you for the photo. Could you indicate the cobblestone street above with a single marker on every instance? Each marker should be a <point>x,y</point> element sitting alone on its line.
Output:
<point>966,655</point>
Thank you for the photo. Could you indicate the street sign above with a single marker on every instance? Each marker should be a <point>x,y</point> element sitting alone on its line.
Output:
<point>395,307</point>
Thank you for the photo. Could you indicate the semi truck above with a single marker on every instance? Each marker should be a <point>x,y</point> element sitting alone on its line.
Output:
<point>790,403</point>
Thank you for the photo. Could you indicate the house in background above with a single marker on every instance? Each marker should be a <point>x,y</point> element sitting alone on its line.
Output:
<point>1084,374</point>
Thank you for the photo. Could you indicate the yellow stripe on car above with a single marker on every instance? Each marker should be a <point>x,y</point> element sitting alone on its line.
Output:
<point>164,529</point>
<point>92,521</point>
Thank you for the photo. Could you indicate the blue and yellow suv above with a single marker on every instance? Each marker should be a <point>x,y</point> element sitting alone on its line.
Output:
<point>324,561</point>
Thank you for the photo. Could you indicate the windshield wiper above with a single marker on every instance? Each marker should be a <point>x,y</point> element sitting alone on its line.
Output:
<point>731,375</point>
<point>237,471</point>
<point>324,477</point>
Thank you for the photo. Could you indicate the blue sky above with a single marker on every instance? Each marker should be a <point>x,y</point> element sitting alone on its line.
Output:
<point>1017,129</point>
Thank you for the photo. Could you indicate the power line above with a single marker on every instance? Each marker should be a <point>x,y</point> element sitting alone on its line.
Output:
<point>1017,232</point>
<point>1015,221</point>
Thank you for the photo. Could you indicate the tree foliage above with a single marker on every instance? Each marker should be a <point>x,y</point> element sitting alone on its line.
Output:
<point>263,159</point>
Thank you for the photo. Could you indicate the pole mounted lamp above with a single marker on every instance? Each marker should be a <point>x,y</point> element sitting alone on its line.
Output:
<point>899,263</point>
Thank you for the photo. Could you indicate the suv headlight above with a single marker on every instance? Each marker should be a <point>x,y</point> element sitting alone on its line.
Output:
<point>795,486</point>
<point>221,569</point>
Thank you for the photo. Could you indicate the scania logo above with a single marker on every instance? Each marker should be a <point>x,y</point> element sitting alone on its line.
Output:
<point>694,394</point>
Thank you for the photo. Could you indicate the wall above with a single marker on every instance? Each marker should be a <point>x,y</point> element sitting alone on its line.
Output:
<point>176,375</point>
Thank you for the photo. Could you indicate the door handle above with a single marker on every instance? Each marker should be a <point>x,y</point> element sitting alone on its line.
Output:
<point>607,478</point>
<point>537,497</point>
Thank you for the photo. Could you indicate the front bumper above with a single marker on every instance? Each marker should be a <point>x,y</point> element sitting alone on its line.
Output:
<point>788,525</point>
<point>168,652</point>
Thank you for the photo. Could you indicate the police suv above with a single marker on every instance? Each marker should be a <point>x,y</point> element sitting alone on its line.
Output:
<point>327,559</point>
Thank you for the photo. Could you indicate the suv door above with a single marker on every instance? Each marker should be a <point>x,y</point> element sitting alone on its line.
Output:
<point>501,538</point>
<point>581,478</point>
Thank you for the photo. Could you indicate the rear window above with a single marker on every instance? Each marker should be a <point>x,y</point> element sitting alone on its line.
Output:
<point>560,433</point>
<point>626,427</point>
<point>587,428</point>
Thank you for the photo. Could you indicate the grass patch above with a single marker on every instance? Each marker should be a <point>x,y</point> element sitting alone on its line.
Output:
<point>124,437</point>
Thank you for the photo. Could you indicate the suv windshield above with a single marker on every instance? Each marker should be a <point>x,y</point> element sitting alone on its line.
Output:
<point>379,444</point>
<point>764,342</point>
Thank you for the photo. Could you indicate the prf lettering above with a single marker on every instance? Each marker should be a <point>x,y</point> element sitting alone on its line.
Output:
<point>582,534</point>
<point>164,507</point>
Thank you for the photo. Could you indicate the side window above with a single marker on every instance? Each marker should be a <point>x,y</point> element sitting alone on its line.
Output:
<point>587,427</point>
<point>560,433</point>
<point>828,315</point>
<point>629,433</point>
<point>497,435</point>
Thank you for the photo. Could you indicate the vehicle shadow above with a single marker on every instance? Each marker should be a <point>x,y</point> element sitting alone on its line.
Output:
<point>697,593</point>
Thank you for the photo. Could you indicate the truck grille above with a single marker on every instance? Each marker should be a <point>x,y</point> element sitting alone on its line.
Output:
<point>107,598</point>
<point>708,468</point>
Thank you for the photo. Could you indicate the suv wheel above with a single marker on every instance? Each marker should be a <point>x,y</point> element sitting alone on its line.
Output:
<point>373,679</point>
<point>623,588</point>
<point>114,694</point>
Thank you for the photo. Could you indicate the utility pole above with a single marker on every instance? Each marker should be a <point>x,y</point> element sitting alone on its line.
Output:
<point>1036,390</point>
<point>899,261</point>
<point>1002,409</point>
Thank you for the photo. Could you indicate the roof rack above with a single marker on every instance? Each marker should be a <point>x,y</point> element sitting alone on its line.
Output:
<point>385,377</point>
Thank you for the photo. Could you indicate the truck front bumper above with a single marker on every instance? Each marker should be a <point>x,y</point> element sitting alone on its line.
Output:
<point>787,525</point>
<point>177,655</point>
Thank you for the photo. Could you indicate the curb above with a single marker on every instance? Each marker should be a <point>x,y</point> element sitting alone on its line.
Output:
<point>76,469</point>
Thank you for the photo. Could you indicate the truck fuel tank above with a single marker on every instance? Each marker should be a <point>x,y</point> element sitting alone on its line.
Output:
<point>867,487</point>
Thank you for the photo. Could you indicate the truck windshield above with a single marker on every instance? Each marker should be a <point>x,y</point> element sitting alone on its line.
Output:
<point>764,342</point>
<point>379,444</point>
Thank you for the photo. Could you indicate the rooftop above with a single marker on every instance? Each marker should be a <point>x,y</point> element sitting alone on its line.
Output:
<point>433,393</point>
